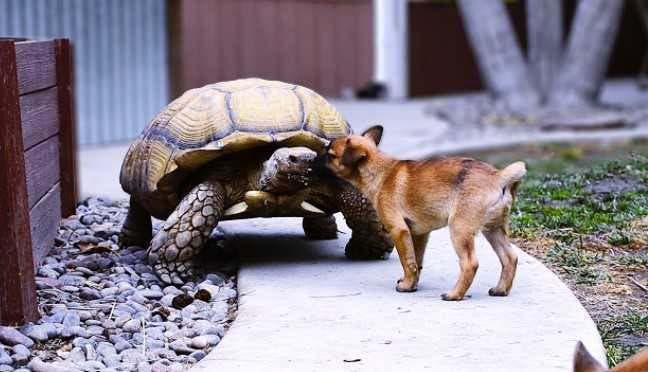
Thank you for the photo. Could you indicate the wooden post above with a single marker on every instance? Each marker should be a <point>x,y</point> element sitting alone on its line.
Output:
<point>17,285</point>
<point>67,134</point>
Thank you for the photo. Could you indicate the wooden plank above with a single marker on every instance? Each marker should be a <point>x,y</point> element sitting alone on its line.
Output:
<point>39,111</point>
<point>17,286</point>
<point>42,169</point>
<point>45,218</point>
<point>36,62</point>
<point>67,130</point>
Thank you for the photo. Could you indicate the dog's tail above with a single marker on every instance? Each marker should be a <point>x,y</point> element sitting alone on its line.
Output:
<point>512,175</point>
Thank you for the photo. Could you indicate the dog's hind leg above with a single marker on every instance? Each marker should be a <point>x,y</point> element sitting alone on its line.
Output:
<point>420,241</point>
<point>463,240</point>
<point>498,239</point>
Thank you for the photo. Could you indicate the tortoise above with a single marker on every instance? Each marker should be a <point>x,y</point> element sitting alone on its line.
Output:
<point>239,149</point>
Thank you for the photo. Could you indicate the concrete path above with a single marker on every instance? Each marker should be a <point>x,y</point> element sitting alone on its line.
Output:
<point>304,307</point>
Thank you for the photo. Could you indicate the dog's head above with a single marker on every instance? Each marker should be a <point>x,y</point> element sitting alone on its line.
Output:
<point>345,154</point>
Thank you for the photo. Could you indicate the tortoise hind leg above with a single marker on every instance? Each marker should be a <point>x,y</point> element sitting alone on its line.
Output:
<point>137,226</point>
<point>369,239</point>
<point>185,232</point>
<point>320,227</point>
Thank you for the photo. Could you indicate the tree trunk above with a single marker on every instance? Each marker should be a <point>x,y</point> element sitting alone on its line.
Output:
<point>544,40</point>
<point>585,60</point>
<point>500,61</point>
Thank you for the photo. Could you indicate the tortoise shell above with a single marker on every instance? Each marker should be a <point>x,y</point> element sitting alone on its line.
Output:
<point>223,118</point>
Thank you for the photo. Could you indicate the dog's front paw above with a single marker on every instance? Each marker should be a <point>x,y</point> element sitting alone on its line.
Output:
<point>451,297</point>
<point>497,292</point>
<point>404,285</point>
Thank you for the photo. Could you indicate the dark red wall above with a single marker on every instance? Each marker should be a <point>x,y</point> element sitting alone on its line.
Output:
<point>326,45</point>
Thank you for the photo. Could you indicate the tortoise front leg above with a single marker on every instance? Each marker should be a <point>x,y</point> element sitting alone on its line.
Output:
<point>137,229</point>
<point>369,240</point>
<point>320,227</point>
<point>185,232</point>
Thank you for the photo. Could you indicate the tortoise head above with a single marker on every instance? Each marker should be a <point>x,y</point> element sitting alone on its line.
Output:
<point>287,170</point>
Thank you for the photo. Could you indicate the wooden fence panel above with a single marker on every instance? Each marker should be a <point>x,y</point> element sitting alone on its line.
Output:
<point>17,286</point>
<point>37,164</point>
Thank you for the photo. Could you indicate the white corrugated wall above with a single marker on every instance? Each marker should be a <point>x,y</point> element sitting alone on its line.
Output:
<point>120,51</point>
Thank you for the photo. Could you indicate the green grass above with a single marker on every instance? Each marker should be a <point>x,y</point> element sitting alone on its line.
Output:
<point>563,205</point>
<point>613,329</point>
<point>587,235</point>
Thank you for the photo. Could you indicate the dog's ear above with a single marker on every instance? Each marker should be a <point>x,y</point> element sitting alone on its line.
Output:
<point>352,155</point>
<point>584,361</point>
<point>374,133</point>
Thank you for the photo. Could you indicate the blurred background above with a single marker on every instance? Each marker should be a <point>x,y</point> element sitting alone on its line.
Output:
<point>133,57</point>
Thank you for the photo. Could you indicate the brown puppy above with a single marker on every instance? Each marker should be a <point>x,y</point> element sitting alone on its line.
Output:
<point>415,197</point>
<point>585,362</point>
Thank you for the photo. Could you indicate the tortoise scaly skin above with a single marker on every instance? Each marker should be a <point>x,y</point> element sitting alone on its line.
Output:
<point>239,149</point>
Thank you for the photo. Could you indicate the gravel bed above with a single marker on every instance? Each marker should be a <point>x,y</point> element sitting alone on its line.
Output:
<point>103,309</point>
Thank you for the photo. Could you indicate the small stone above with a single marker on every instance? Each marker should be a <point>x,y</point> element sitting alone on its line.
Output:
<point>70,288</point>
<point>144,367</point>
<point>180,347</point>
<point>133,325</point>
<point>122,345</point>
<point>139,298</point>
<point>181,301</point>
<point>167,300</point>
<point>203,295</point>
<point>151,294</point>
<point>106,349</point>
<point>201,342</point>
<point>109,292</point>
<point>89,294</point>
<point>85,315</point>
<point>47,283</point>
<point>198,355</point>
<point>132,356</point>
<point>72,280</point>
<point>37,365</point>
<point>121,320</point>
<point>77,355</point>
<point>90,352</point>
<point>93,365</point>
<point>10,336</point>
<point>95,330</point>
<point>4,357</point>
<point>8,368</point>
<point>48,273</point>
<point>35,332</point>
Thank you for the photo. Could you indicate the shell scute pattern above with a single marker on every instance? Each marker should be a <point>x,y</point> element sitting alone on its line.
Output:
<point>206,123</point>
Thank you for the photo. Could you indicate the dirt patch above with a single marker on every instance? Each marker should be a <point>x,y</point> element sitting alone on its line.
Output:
<point>612,184</point>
